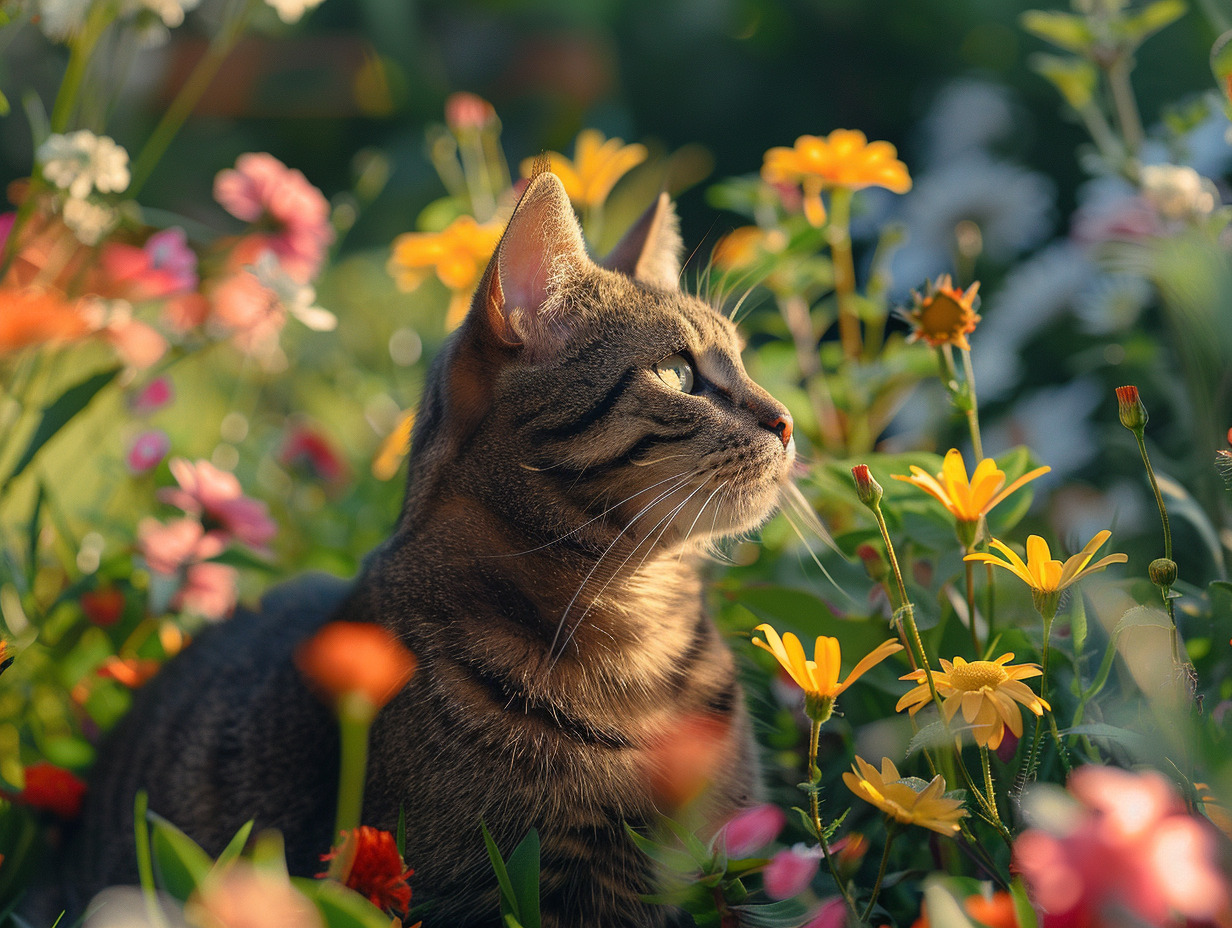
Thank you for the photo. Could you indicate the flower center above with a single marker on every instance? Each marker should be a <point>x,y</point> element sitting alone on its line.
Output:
<point>943,317</point>
<point>976,675</point>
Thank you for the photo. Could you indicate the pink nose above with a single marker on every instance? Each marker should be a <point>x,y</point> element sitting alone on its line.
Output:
<point>781,425</point>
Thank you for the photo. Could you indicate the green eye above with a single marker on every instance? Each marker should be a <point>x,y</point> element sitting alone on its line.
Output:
<point>676,372</point>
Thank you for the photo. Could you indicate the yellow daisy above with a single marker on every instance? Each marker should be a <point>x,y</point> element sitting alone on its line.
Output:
<point>985,691</point>
<point>944,314</point>
<point>844,158</point>
<point>967,500</point>
<point>908,800</point>
<point>1046,576</point>
<point>819,677</point>
<point>596,166</point>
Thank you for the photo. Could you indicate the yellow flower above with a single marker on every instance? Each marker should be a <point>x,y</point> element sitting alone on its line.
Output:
<point>819,677</point>
<point>458,254</point>
<point>985,690</point>
<point>908,800</point>
<point>944,314</point>
<point>967,500</point>
<point>596,166</point>
<point>394,448</point>
<point>1045,576</point>
<point>844,158</point>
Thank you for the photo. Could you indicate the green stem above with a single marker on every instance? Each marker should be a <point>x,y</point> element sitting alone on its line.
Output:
<point>815,810</point>
<point>973,414</point>
<point>988,788</point>
<point>186,100</point>
<point>891,833</point>
<point>81,47</point>
<point>355,715</point>
<point>1033,756</point>
<point>1123,100</point>
<point>838,234</point>
<point>1165,591</point>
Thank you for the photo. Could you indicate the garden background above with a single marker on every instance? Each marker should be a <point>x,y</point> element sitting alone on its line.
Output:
<point>1093,273</point>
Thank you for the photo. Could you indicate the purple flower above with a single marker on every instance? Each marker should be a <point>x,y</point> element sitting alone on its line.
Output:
<point>169,253</point>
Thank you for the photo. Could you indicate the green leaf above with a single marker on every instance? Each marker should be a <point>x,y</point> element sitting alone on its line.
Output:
<point>341,907</point>
<point>400,833</point>
<point>32,534</point>
<point>1078,626</point>
<point>235,846</point>
<point>1221,64</point>
<point>1138,745</point>
<point>670,858</point>
<point>786,913</point>
<point>179,862</point>
<point>245,559</point>
<point>1150,19</point>
<point>1023,909</point>
<point>1065,30</point>
<point>524,875</point>
<point>5,108</point>
<point>931,735</point>
<point>1074,78</point>
<point>60,413</point>
<point>509,899</point>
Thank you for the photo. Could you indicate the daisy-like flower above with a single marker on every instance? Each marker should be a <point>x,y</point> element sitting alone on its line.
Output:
<point>457,254</point>
<point>844,158</point>
<point>819,677</point>
<point>596,166</point>
<point>944,314</point>
<point>81,162</point>
<point>967,500</point>
<point>985,691</point>
<point>368,862</point>
<point>906,799</point>
<point>1046,576</point>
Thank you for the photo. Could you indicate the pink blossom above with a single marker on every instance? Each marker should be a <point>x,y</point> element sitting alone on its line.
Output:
<point>217,497</point>
<point>752,829</point>
<point>209,591</point>
<point>262,188</point>
<point>147,450</point>
<point>163,267</point>
<point>6,226</point>
<point>832,914</point>
<point>170,547</point>
<point>153,396</point>
<point>139,345</point>
<point>790,871</point>
<point>249,311</point>
<point>1128,852</point>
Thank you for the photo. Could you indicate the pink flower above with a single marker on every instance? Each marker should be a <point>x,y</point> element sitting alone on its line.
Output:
<point>752,829</point>
<point>790,871</point>
<point>248,310</point>
<point>138,345</point>
<point>147,450</point>
<point>153,396</point>
<point>209,591</point>
<point>217,497</point>
<point>832,914</point>
<point>1128,852</point>
<point>170,547</point>
<point>262,188</point>
<point>163,267</point>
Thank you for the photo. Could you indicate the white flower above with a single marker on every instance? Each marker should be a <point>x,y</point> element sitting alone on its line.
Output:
<point>290,11</point>
<point>89,221</point>
<point>59,19</point>
<point>171,12</point>
<point>82,161</point>
<point>1177,192</point>
<point>298,299</point>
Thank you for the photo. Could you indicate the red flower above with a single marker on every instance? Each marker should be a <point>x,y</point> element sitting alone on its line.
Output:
<point>309,451</point>
<point>368,862</point>
<point>52,789</point>
<point>103,606</point>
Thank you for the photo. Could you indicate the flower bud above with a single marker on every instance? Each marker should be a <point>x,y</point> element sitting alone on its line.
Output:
<point>1162,571</point>
<point>874,562</point>
<point>867,489</point>
<point>1129,406</point>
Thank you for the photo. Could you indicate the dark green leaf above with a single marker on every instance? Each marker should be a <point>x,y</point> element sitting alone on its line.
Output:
<point>1136,743</point>
<point>932,735</point>
<point>400,834</point>
<point>341,907</point>
<point>235,846</point>
<point>179,862</point>
<point>786,913</point>
<point>245,559</point>
<point>509,899</point>
<point>523,868</point>
<point>59,413</point>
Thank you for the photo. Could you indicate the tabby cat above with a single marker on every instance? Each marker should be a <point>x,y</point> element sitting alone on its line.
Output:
<point>584,432</point>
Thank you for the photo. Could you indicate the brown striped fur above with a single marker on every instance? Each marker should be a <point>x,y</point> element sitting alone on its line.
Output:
<point>543,570</point>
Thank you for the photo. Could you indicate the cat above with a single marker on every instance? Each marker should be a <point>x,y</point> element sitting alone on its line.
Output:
<point>582,434</point>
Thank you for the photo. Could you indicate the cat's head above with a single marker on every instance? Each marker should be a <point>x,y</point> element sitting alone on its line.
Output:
<point>578,394</point>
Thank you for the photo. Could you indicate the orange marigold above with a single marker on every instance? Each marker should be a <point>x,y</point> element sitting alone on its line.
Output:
<point>944,314</point>
<point>356,657</point>
<point>368,862</point>
<point>844,158</point>
<point>34,317</point>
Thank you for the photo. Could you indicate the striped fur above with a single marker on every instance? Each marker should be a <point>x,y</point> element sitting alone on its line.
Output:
<point>543,570</point>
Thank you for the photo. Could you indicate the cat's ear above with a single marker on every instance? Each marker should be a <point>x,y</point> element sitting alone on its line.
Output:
<point>541,249</point>
<point>651,251</point>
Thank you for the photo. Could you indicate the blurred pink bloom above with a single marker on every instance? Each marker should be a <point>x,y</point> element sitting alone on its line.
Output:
<point>153,396</point>
<point>139,345</point>
<point>261,187</point>
<point>6,226</point>
<point>163,267</point>
<point>250,311</point>
<point>752,829</point>
<point>1130,852</point>
<point>167,548</point>
<point>308,450</point>
<point>209,591</point>
<point>147,450</point>
<point>832,914</point>
<point>465,110</point>
<point>217,497</point>
<point>185,311</point>
<point>790,871</point>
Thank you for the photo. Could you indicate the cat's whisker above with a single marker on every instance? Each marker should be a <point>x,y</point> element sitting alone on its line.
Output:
<point>693,524</point>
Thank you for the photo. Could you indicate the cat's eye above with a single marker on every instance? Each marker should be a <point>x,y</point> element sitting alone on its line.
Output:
<point>676,372</point>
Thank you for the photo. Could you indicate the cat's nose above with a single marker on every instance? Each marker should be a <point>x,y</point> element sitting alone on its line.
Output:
<point>781,426</point>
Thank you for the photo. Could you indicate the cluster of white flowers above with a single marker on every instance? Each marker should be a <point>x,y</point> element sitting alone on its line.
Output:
<point>290,11</point>
<point>60,19</point>
<point>81,163</point>
<point>1178,192</point>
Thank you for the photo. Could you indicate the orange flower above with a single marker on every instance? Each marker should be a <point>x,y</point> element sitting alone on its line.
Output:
<point>368,862</point>
<point>944,314</point>
<point>995,911</point>
<point>34,317</point>
<point>844,158</point>
<point>356,657</point>
<point>52,789</point>
<point>394,448</point>
<point>596,166</point>
<point>129,671</point>
<point>458,254</point>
